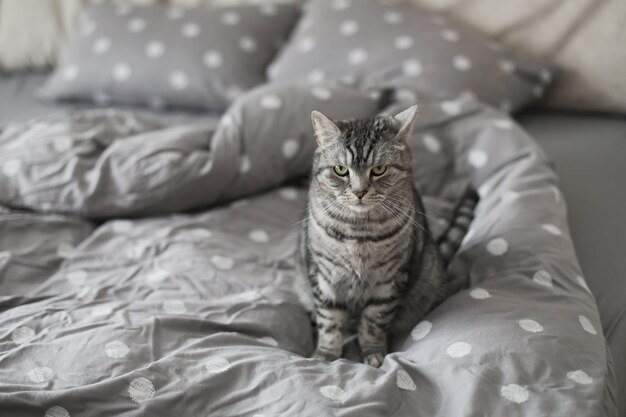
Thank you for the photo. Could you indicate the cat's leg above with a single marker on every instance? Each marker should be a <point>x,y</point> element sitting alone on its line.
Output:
<point>373,331</point>
<point>330,322</point>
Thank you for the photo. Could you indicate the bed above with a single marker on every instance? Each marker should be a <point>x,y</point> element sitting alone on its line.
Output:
<point>153,297</point>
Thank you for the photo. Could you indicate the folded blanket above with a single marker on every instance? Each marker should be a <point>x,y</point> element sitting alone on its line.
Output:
<point>195,314</point>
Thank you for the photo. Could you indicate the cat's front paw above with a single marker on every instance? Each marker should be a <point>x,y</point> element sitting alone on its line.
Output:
<point>324,355</point>
<point>374,359</point>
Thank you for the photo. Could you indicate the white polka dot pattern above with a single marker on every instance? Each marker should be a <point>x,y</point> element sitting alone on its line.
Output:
<point>213,59</point>
<point>450,35</point>
<point>247,44</point>
<point>77,278</point>
<point>116,349</point>
<point>70,72</point>
<point>316,76</point>
<point>191,30</point>
<point>509,196</point>
<point>459,349</point>
<point>349,28</point>
<point>231,18</point>
<point>244,164</point>
<point>497,246</point>
<point>259,236</point>
<point>543,277</point>
<point>404,380</point>
<point>136,25</point>
<point>451,107</point>
<point>217,365</point>
<point>322,93</point>
<point>552,229</point>
<point>421,330</point>
<point>122,226</point>
<point>290,148</point>
<point>57,411</point>
<point>141,389</point>
<point>504,124</point>
<point>306,44</point>
<point>174,307</point>
<point>477,158</point>
<point>403,42</point>
<point>530,326</point>
<point>412,68</point>
<point>22,335</point>
<point>340,4</point>
<point>333,392</point>
<point>289,193</point>
<point>62,144</point>
<point>121,72</point>
<point>580,377</point>
<point>581,281</point>
<point>155,49</point>
<point>480,294</point>
<point>462,63</point>
<point>102,310</point>
<point>222,262</point>
<point>357,56</point>
<point>40,375</point>
<point>586,325</point>
<point>271,102</point>
<point>431,143</point>
<point>268,340</point>
<point>393,18</point>
<point>514,393</point>
<point>101,45</point>
<point>175,13</point>
<point>178,80</point>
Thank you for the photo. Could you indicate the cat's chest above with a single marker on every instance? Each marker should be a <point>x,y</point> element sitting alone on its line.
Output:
<point>357,260</point>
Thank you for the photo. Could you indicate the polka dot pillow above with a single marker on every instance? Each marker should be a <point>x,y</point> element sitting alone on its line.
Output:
<point>382,43</point>
<point>160,56</point>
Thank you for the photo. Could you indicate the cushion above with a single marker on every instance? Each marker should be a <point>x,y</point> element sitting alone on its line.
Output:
<point>378,43</point>
<point>33,32</point>
<point>584,38</point>
<point>166,56</point>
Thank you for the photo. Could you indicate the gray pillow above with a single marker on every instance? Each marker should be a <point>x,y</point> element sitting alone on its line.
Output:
<point>165,56</point>
<point>396,44</point>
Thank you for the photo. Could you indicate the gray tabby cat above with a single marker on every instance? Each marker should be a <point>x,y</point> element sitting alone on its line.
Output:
<point>366,251</point>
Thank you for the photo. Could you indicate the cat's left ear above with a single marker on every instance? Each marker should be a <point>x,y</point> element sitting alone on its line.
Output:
<point>406,120</point>
<point>325,129</point>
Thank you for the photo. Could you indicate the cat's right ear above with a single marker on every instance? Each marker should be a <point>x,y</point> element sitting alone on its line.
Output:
<point>325,129</point>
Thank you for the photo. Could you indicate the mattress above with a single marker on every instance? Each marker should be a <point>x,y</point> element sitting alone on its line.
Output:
<point>275,349</point>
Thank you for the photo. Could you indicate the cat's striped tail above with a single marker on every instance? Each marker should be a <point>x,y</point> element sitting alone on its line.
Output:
<point>449,242</point>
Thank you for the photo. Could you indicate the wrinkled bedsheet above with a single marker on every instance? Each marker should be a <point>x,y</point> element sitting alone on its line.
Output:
<point>148,269</point>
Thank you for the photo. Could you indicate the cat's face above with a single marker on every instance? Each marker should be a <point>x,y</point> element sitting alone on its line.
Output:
<point>362,164</point>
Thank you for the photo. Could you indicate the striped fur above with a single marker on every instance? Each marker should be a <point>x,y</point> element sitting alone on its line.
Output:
<point>462,217</point>
<point>373,258</point>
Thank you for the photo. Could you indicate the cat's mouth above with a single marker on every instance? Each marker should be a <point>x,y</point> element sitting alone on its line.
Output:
<point>360,206</point>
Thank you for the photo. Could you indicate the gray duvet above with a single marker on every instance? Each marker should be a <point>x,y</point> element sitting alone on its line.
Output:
<point>148,269</point>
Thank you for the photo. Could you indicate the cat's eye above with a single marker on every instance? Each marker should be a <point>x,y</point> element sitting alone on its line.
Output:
<point>340,170</point>
<point>379,170</point>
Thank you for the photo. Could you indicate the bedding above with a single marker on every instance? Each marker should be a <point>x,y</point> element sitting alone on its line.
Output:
<point>165,56</point>
<point>165,310</point>
<point>583,37</point>
<point>396,44</point>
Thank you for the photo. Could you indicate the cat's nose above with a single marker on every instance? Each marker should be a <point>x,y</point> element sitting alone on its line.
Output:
<point>360,194</point>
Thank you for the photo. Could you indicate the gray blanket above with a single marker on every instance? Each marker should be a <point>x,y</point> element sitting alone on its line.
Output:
<point>148,270</point>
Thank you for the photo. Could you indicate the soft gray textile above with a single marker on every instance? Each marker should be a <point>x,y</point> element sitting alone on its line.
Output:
<point>588,152</point>
<point>163,57</point>
<point>111,163</point>
<point>194,314</point>
<point>377,42</point>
